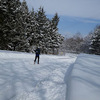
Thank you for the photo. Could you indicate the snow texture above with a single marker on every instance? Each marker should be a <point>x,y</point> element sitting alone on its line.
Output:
<point>55,78</point>
<point>83,82</point>
<point>20,79</point>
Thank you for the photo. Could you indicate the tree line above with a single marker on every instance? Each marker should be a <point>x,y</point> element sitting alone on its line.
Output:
<point>78,44</point>
<point>24,30</point>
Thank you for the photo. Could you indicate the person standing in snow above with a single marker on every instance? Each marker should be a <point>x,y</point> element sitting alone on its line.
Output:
<point>37,54</point>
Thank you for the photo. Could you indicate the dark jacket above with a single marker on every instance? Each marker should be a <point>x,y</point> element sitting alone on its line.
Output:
<point>37,52</point>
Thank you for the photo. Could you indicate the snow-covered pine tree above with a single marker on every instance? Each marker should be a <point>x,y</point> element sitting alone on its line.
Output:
<point>21,30</point>
<point>95,42</point>
<point>42,33</point>
<point>20,41</point>
<point>56,38</point>
<point>32,30</point>
<point>8,8</point>
<point>47,38</point>
<point>3,14</point>
<point>17,27</point>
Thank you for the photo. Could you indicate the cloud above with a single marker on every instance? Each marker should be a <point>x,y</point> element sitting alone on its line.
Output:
<point>86,20</point>
<point>75,8</point>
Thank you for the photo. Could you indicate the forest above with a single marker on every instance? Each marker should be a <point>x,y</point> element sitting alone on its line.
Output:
<point>24,30</point>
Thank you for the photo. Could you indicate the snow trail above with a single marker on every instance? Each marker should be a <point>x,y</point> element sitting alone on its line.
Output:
<point>20,79</point>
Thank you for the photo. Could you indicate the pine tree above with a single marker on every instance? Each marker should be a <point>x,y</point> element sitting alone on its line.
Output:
<point>6,28</point>
<point>42,33</point>
<point>32,30</point>
<point>22,30</point>
<point>56,38</point>
<point>3,14</point>
<point>54,24</point>
<point>19,40</point>
<point>16,28</point>
<point>25,27</point>
<point>95,42</point>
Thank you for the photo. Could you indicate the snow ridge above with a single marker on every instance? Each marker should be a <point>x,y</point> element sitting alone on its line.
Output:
<point>84,81</point>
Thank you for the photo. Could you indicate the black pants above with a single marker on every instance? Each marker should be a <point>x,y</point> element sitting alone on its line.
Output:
<point>36,57</point>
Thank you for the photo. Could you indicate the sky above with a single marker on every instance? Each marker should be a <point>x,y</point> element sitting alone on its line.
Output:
<point>75,15</point>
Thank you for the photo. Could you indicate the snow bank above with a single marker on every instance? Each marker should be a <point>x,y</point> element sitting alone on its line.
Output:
<point>83,78</point>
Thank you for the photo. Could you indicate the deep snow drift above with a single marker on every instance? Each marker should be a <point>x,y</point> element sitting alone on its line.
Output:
<point>84,81</point>
<point>20,79</point>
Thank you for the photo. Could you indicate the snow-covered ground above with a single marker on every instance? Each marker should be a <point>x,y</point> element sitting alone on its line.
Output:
<point>20,79</point>
<point>83,83</point>
<point>55,78</point>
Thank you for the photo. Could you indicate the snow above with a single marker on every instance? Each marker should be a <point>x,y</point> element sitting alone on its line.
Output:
<point>83,82</point>
<point>56,77</point>
<point>20,79</point>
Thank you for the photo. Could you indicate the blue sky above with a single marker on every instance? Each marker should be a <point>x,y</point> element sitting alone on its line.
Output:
<point>72,25</point>
<point>75,15</point>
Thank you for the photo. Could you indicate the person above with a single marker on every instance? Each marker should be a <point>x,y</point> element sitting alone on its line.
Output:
<point>37,54</point>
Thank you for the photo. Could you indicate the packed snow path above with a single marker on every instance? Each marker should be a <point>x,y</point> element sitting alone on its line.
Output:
<point>20,79</point>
